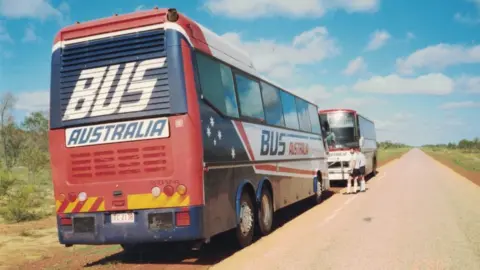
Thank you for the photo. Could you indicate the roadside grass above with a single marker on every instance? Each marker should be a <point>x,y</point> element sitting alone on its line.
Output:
<point>463,162</point>
<point>386,155</point>
<point>469,161</point>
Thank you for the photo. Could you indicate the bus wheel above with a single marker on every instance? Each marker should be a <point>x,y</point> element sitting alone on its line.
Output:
<point>245,227</point>
<point>374,172</point>
<point>318,197</point>
<point>265,212</point>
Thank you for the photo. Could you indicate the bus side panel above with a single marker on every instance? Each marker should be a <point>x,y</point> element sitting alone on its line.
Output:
<point>291,180</point>
<point>367,130</point>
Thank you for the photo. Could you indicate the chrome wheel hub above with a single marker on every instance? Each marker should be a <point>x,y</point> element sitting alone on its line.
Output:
<point>246,218</point>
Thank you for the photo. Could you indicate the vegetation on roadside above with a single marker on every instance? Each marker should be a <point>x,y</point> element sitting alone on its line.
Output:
<point>25,186</point>
<point>389,150</point>
<point>465,153</point>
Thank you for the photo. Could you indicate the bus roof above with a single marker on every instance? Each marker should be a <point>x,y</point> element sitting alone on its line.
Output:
<point>337,110</point>
<point>344,110</point>
<point>199,37</point>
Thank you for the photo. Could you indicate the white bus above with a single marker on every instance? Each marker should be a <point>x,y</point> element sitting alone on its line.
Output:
<point>343,130</point>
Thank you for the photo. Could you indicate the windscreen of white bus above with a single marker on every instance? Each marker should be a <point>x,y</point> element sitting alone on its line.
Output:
<point>339,129</point>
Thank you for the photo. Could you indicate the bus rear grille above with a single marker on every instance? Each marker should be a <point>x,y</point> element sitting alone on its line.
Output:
<point>338,164</point>
<point>114,53</point>
<point>119,164</point>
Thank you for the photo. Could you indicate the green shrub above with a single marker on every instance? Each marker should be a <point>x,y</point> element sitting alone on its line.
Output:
<point>6,183</point>
<point>21,205</point>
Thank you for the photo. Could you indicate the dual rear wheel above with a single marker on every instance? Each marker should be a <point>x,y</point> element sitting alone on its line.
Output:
<point>253,218</point>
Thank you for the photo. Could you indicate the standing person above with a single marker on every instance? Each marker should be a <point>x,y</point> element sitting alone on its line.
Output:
<point>354,172</point>
<point>361,164</point>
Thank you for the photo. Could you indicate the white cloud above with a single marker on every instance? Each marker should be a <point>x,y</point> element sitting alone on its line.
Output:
<point>402,117</point>
<point>247,9</point>
<point>377,40</point>
<point>359,103</point>
<point>438,57</point>
<point>356,65</point>
<point>4,35</point>
<point>410,35</point>
<point>469,84</point>
<point>30,35</point>
<point>278,60</point>
<point>340,89</point>
<point>315,93</point>
<point>432,84</point>
<point>460,105</point>
<point>38,9</point>
<point>466,19</point>
<point>33,101</point>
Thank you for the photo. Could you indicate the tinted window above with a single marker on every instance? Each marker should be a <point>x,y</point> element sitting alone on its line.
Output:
<point>367,128</point>
<point>250,97</point>
<point>289,110</point>
<point>304,119</point>
<point>272,105</point>
<point>314,119</point>
<point>217,85</point>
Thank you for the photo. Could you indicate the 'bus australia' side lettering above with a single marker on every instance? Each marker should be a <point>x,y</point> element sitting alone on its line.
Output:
<point>117,132</point>
<point>101,80</point>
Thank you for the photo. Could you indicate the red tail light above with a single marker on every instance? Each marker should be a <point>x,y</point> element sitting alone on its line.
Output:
<point>72,196</point>
<point>182,219</point>
<point>168,190</point>
<point>66,221</point>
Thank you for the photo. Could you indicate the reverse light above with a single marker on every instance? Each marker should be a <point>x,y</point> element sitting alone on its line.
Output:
<point>156,191</point>
<point>181,189</point>
<point>182,219</point>
<point>82,196</point>
<point>168,190</point>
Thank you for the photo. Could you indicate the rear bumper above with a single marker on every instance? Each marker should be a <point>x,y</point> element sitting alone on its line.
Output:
<point>103,231</point>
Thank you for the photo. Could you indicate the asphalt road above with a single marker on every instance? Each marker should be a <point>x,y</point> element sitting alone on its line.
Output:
<point>416,214</point>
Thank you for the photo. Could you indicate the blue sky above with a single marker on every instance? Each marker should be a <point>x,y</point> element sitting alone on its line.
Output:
<point>412,66</point>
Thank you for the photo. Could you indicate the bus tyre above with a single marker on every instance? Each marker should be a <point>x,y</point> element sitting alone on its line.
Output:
<point>246,226</point>
<point>265,212</point>
<point>374,172</point>
<point>318,197</point>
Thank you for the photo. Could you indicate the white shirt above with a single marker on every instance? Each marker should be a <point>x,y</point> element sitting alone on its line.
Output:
<point>353,160</point>
<point>360,160</point>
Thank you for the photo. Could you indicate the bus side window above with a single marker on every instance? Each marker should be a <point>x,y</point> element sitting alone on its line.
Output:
<point>272,105</point>
<point>289,110</point>
<point>216,83</point>
<point>314,119</point>
<point>250,97</point>
<point>303,117</point>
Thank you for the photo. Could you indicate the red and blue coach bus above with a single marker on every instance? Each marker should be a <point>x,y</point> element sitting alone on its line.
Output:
<point>346,129</point>
<point>160,131</point>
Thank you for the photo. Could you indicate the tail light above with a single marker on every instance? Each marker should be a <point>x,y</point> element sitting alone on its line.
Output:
<point>181,189</point>
<point>168,190</point>
<point>182,219</point>
<point>72,196</point>
<point>156,191</point>
<point>66,221</point>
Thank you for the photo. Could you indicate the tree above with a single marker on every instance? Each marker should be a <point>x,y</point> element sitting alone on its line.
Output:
<point>36,126</point>
<point>34,159</point>
<point>13,144</point>
<point>7,102</point>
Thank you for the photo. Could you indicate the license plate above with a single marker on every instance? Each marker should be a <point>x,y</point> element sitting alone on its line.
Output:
<point>123,218</point>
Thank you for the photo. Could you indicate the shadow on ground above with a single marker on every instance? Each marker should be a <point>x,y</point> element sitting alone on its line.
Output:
<point>211,253</point>
<point>217,250</point>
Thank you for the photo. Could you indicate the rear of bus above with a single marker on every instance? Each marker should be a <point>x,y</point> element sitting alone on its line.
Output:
<point>125,143</point>
<point>341,136</point>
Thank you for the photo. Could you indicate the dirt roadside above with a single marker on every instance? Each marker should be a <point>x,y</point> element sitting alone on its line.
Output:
<point>36,247</point>
<point>470,175</point>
